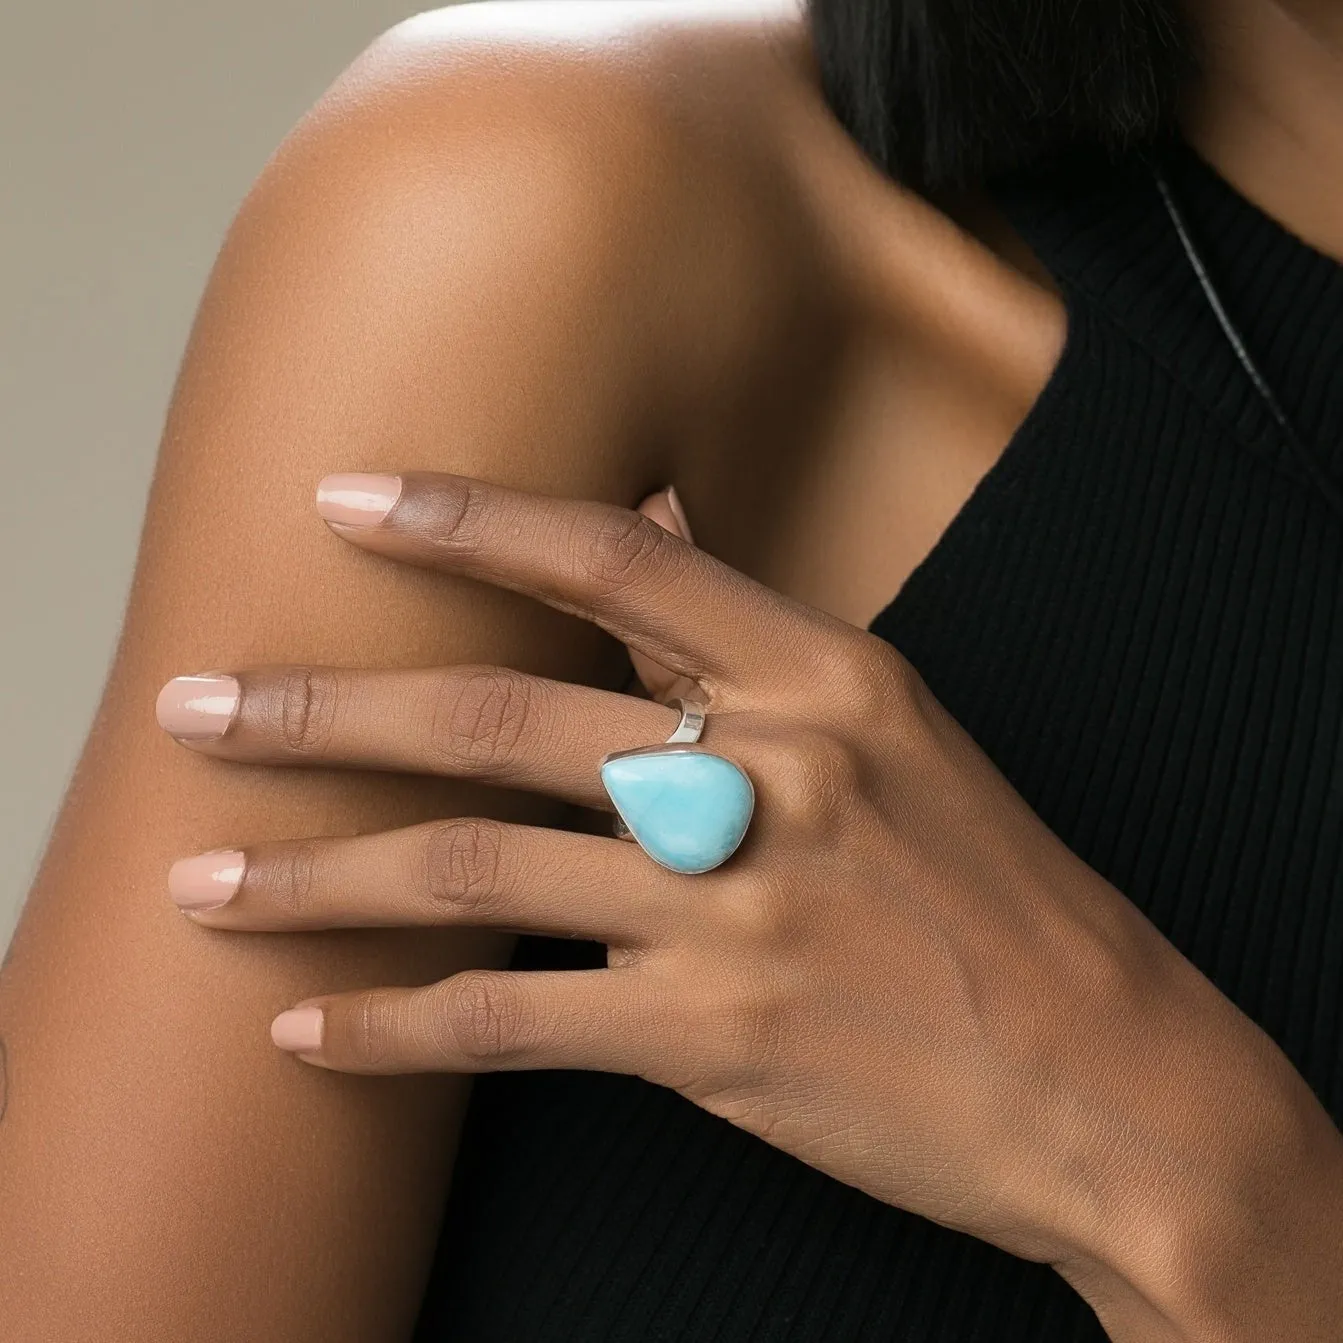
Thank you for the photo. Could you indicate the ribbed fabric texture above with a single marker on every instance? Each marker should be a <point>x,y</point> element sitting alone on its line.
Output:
<point>1137,615</point>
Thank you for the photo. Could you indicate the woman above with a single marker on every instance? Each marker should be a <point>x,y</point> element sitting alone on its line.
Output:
<point>1024,964</point>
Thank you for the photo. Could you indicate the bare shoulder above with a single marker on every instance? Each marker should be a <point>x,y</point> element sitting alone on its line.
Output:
<point>598,157</point>
<point>587,175</point>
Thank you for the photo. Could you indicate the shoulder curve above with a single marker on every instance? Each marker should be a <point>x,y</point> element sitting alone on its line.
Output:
<point>570,90</point>
<point>607,154</point>
<point>605,43</point>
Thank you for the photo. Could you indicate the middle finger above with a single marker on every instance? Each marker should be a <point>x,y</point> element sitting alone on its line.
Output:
<point>487,723</point>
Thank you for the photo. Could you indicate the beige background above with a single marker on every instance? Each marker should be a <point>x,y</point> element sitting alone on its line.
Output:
<point>129,132</point>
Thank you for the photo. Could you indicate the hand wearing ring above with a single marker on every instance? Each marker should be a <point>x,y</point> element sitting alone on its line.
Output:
<point>885,963</point>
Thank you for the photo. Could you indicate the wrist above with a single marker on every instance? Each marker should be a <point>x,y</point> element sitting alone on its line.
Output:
<point>1223,1218</point>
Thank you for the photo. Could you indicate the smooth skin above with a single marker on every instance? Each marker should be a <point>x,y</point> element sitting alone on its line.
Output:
<point>581,250</point>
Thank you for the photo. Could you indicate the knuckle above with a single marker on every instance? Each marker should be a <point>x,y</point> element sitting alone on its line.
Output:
<point>487,1015</point>
<point>814,780</point>
<point>288,878</point>
<point>627,548</point>
<point>368,1028</point>
<point>759,910</point>
<point>866,680</point>
<point>479,718</point>
<point>454,516</point>
<point>462,863</point>
<point>305,709</point>
<point>919,710</point>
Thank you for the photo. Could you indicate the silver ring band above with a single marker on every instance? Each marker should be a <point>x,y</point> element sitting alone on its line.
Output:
<point>691,726</point>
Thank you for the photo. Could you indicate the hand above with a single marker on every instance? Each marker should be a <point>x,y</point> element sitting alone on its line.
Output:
<point>901,977</point>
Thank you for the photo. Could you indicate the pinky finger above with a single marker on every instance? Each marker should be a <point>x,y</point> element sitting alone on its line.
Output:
<point>485,1021</point>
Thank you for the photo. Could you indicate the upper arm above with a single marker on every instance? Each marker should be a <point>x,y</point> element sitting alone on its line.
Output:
<point>439,269</point>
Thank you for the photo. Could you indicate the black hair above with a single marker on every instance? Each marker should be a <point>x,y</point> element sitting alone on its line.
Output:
<point>951,93</point>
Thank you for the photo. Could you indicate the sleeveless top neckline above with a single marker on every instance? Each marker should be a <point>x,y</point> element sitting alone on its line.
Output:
<point>1112,246</point>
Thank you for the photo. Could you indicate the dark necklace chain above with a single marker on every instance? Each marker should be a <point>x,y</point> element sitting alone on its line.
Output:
<point>1308,462</point>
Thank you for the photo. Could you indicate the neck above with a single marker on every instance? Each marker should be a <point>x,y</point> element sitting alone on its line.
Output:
<point>1268,114</point>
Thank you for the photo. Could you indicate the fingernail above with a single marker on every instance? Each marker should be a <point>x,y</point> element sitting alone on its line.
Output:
<point>208,881</point>
<point>198,708</point>
<point>299,1030</point>
<point>674,503</point>
<point>357,500</point>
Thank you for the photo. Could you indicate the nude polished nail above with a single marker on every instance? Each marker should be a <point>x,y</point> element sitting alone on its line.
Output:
<point>207,881</point>
<point>678,512</point>
<point>198,708</point>
<point>353,500</point>
<point>299,1030</point>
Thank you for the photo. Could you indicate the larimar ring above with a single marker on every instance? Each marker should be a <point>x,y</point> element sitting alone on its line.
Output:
<point>687,808</point>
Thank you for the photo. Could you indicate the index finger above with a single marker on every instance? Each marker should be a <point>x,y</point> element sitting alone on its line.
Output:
<point>610,565</point>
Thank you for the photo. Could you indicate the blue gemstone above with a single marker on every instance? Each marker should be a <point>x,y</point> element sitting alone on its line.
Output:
<point>688,809</point>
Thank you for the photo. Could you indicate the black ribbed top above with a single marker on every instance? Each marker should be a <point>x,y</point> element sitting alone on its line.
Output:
<point>1137,615</point>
